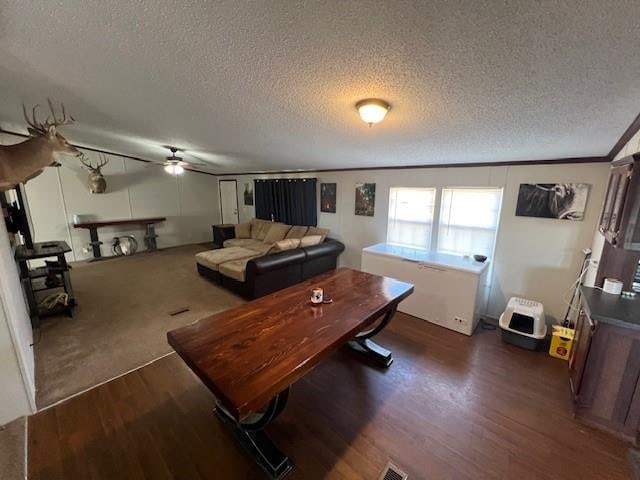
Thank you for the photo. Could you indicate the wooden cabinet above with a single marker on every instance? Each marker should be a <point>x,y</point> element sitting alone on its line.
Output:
<point>604,371</point>
<point>578,358</point>
<point>221,233</point>
<point>619,221</point>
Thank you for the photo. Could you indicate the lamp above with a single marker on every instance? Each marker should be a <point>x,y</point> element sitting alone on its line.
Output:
<point>372,110</point>
<point>173,169</point>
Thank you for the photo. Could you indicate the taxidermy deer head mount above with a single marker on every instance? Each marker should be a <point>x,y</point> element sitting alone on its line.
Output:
<point>24,161</point>
<point>97,182</point>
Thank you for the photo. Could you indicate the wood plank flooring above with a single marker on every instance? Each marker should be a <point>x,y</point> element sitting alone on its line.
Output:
<point>450,407</point>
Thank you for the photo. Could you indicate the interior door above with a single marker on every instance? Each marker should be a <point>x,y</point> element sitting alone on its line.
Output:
<point>229,201</point>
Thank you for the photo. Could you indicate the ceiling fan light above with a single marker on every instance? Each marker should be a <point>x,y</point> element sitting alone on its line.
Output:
<point>173,169</point>
<point>372,110</point>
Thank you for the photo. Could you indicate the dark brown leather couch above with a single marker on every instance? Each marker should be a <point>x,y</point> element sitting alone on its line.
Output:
<point>271,273</point>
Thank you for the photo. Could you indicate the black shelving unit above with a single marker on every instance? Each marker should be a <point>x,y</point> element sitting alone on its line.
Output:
<point>33,280</point>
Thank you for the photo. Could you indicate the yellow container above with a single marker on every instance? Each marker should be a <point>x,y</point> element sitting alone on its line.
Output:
<point>561,342</point>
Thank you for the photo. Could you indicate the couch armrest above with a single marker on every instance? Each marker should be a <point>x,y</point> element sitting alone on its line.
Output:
<point>268,263</point>
<point>329,247</point>
<point>222,232</point>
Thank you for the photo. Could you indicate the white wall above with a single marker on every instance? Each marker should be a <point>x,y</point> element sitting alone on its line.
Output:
<point>16,354</point>
<point>134,189</point>
<point>535,258</point>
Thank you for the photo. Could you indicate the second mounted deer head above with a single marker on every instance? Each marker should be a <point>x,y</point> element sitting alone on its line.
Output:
<point>96,181</point>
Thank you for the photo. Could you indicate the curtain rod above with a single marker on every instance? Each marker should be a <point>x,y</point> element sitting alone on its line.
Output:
<point>285,179</point>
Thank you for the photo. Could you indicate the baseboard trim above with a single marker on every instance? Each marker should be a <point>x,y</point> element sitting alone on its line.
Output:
<point>102,383</point>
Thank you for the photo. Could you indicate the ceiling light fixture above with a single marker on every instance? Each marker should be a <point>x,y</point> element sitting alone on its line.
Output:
<point>174,169</point>
<point>372,110</point>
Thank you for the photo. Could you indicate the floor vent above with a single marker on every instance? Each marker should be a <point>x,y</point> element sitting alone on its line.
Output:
<point>391,472</point>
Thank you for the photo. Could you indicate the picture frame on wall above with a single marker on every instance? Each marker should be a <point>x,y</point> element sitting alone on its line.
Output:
<point>328,197</point>
<point>248,193</point>
<point>561,201</point>
<point>365,199</point>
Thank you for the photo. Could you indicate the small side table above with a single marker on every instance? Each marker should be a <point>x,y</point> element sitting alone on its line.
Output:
<point>55,249</point>
<point>222,232</point>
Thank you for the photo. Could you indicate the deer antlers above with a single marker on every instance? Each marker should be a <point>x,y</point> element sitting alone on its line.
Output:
<point>101,163</point>
<point>36,127</point>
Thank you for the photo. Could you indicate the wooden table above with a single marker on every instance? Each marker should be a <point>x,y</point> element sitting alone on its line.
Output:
<point>250,355</point>
<point>149,238</point>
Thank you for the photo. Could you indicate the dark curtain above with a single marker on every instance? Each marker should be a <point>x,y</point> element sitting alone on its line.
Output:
<point>287,200</point>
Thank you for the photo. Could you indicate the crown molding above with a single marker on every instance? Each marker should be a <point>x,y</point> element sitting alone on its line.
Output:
<point>107,152</point>
<point>547,161</point>
<point>624,139</point>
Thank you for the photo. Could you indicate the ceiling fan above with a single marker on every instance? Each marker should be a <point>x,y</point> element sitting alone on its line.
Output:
<point>175,165</point>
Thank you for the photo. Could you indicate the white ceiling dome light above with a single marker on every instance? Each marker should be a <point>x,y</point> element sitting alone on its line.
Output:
<point>372,110</point>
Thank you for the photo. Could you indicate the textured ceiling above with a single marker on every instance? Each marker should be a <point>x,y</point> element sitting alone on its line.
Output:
<point>270,85</point>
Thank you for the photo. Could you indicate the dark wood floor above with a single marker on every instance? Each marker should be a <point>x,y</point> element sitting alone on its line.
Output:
<point>450,407</point>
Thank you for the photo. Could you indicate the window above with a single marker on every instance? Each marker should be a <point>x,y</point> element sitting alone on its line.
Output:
<point>411,216</point>
<point>469,220</point>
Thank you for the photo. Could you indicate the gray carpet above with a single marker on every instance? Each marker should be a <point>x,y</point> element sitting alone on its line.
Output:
<point>12,443</point>
<point>121,319</point>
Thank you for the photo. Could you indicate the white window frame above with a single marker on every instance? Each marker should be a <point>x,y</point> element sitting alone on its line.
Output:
<point>499,215</point>
<point>434,214</point>
<point>437,207</point>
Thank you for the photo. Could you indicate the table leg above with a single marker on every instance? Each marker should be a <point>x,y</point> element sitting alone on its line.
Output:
<point>150,237</point>
<point>251,436</point>
<point>375,352</point>
<point>66,279</point>
<point>95,243</point>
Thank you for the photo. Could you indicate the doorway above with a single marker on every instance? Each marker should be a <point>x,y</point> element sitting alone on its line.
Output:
<point>229,201</point>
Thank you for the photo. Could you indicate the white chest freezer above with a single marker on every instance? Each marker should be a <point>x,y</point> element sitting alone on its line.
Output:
<point>450,290</point>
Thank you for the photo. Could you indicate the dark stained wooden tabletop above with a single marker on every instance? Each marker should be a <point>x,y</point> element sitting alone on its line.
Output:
<point>250,353</point>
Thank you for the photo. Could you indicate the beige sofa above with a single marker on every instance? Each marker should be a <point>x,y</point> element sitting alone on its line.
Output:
<point>255,239</point>
<point>261,235</point>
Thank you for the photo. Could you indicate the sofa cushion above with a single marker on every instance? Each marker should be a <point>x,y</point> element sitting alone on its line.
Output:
<point>286,244</point>
<point>213,258</point>
<point>235,269</point>
<point>261,247</point>
<point>297,231</point>
<point>276,232</point>
<point>323,232</point>
<point>310,240</point>
<point>243,230</point>
<point>256,226</point>
<point>260,228</point>
<point>240,242</point>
